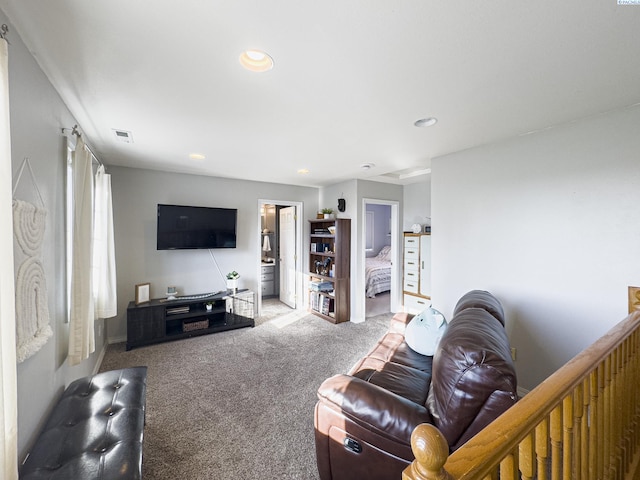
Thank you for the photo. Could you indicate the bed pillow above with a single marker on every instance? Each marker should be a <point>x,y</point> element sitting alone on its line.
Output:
<point>424,331</point>
<point>384,253</point>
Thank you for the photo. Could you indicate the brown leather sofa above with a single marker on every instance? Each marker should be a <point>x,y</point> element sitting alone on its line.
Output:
<point>364,419</point>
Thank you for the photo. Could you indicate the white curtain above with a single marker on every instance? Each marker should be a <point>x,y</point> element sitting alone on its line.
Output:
<point>81,332</point>
<point>104,262</point>
<point>8,380</point>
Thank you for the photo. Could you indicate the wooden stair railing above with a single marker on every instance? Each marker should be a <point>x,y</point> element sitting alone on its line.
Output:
<point>583,423</point>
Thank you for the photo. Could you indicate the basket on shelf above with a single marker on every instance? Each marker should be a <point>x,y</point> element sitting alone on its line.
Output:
<point>198,325</point>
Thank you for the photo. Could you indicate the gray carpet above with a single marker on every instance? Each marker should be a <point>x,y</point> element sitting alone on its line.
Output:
<point>239,404</point>
<point>378,305</point>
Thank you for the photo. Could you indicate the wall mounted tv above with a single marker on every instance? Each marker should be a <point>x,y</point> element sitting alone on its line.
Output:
<point>185,227</point>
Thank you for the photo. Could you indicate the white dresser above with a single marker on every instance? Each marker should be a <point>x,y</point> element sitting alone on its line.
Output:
<point>416,272</point>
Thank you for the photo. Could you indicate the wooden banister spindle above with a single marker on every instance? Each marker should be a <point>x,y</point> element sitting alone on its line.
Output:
<point>599,422</point>
<point>431,451</point>
<point>606,445</point>
<point>635,391</point>
<point>542,448</point>
<point>577,428</point>
<point>584,430</point>
<point>567,436</point>
<point>593,425</point>
<point>527,458</point>
<point>509,466</point>
<point>626,400</point>
<point>556,443</point>
<point>617,410</point>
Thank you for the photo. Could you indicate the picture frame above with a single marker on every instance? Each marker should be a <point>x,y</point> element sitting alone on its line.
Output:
<point>142,293</point>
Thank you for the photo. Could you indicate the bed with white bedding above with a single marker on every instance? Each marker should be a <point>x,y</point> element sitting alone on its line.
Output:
<point>378,273</point>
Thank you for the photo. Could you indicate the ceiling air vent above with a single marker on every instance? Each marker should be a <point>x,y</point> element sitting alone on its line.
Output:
<point>123,136</point>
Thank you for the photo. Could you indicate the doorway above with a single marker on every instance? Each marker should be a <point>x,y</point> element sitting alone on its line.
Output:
<point>380,252</point>
<point>279,276</point>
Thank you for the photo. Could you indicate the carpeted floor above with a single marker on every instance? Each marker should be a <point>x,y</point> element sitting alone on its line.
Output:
<point>239,404</point>
<point>379,305</point>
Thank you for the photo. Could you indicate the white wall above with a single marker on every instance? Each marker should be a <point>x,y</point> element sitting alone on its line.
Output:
<point>37,117</point>
<point>354,192</point>
<point>550,223</point>
<point>417,203</point>
<point>137,192</point>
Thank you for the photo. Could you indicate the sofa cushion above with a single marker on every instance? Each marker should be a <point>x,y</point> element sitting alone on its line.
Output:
<point>473,375</point>
<point>392,348</point>
<point>404,381</point>
<point>373,408</point>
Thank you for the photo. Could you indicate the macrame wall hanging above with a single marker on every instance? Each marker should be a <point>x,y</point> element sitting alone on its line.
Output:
<point>32,311</point>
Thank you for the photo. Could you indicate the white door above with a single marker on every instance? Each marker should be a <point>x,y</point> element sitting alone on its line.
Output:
<point>287,240</point>
<point>425,265</point>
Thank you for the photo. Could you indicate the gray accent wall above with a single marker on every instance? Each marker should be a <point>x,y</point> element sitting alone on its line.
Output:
<point>136,194</point>
<point>381,229</point>
<point>37,117</point>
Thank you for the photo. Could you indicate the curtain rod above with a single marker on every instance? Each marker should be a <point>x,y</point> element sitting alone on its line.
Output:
<point>76,132</point>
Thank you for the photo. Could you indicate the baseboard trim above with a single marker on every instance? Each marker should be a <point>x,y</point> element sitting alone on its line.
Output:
<point>96,367</point>
<point>112,340</point>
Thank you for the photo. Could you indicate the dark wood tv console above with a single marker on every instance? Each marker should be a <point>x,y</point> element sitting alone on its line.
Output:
<point>162,320</point>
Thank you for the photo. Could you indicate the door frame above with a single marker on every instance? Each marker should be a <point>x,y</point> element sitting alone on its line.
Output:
<point>298,263</point>
<point>396,270</point>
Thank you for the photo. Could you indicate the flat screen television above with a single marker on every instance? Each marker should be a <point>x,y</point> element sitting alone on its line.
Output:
<point>185,227</point>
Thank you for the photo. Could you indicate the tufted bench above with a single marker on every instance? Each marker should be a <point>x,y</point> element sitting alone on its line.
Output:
<point>95,431</point>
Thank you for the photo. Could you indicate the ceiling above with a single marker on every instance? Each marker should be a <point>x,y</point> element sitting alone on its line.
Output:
<point>349,81</point>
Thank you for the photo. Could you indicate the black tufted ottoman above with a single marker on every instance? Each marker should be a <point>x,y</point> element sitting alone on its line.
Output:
<point>95,431</point>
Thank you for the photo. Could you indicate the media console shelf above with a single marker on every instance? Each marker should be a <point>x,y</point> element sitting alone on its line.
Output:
<point>162,320</point>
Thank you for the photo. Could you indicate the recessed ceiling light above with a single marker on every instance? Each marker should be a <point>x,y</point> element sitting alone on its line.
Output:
<point>256,61</point>
<point>196,156</point>
<point>303,171</point>
<point>426,122</point>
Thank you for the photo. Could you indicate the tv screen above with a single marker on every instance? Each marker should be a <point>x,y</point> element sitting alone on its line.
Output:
<point>184,227</point>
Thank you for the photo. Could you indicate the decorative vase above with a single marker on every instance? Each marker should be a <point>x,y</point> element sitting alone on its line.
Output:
<point>232,284</point>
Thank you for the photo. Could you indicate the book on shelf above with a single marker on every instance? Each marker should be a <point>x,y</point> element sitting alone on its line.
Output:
<point>177,310</point>
<point>327,305</point>
<point>321,303</point>
<point>318,286</point>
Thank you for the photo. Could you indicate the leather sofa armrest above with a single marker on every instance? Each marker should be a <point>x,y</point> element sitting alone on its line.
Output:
<point>399,321</point>
<point>376,409</point>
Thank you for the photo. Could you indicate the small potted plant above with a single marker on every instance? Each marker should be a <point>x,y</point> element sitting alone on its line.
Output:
<point>327,212</point>
<point>208,306</point>
<point>232,281</point>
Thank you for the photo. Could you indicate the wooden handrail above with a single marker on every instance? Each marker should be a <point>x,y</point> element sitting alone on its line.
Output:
<point>582,422</point>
